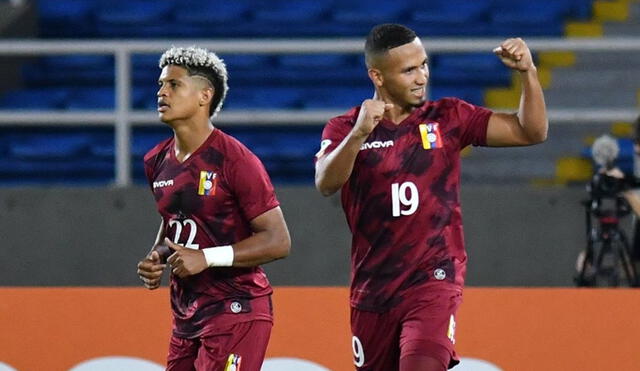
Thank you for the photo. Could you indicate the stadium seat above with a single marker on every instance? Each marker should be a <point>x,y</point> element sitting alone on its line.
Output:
<point>264,97</point>
<point>471,94</point>
<point>70,70</point>
<point>480,69</point>
<point>94,98</point>
<point>320,69</point>
<point>66,18</point>
<point>34,99</point>
<point>129,18</point>
<point>335,98</point>
<point>539,18</point>
<point>50,146</point>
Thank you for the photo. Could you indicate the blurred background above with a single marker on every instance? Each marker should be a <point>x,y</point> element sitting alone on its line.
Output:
<point>77,114</point>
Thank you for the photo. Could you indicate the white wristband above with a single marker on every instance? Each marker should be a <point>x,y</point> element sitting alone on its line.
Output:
<point>219,256</point>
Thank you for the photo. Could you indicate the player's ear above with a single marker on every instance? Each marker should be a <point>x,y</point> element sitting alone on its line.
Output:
<point>206,95</point>
<point>376,77</point>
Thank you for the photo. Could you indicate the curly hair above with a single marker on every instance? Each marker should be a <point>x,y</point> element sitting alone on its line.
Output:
<point>201,62</point>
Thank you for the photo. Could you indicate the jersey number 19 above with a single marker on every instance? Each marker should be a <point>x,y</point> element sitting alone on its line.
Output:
<point>404,199</point>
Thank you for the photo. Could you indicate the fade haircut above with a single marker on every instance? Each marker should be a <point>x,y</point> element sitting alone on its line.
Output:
<point>203,63</point>
<point>386,36</point>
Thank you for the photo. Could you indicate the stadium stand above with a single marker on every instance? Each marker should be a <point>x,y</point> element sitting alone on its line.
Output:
<point>263,82</point>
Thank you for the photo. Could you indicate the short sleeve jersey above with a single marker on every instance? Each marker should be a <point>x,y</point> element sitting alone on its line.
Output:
<point>402,200</point>
<point>209,200</point>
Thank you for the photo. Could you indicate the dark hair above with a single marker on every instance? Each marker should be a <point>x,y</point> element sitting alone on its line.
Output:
<point>386,36</point>
<point>636,130</point>
<point>216,81</point>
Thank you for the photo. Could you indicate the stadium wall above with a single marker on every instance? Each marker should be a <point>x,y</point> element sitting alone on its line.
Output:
<point>497,329</point>
<point>516,236</point>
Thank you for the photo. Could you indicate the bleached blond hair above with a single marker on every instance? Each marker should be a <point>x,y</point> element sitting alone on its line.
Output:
<point>201,62</point>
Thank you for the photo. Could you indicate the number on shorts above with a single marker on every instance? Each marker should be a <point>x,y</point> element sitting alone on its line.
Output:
<point>358,351</point>
<point>400,203</point>
<point>192,232</point>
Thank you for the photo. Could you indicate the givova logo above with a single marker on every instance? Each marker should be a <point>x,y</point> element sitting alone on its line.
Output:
<point>377,144</point>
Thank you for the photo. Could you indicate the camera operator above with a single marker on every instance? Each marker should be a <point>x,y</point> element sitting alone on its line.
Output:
<point>613,195</point>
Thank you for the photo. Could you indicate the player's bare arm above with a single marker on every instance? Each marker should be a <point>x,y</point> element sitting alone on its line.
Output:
<point>530,124</point>
<point>333,170</point>
<point>270,241</point>
<point>150,268</point>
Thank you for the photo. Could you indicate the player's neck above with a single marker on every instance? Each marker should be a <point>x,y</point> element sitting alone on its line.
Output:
<point>397,113</point>
<point>188,138</point>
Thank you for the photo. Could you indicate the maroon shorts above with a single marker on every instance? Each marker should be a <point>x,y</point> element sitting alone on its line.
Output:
<point>237,347</point>
<point>419,326</point>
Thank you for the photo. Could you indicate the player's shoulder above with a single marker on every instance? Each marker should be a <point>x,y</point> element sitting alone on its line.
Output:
<point>447,103</point>
<point>158,149</point>
<point>231,147</point>
<point>348,117</point>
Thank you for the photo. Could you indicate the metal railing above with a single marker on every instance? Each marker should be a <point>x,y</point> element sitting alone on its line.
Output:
<point>124,117</point>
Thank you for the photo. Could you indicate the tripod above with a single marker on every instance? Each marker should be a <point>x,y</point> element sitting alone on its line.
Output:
<point>608,252</point>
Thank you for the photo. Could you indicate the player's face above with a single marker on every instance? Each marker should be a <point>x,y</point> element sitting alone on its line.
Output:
<point>405,74</point>
<point>179,94</point>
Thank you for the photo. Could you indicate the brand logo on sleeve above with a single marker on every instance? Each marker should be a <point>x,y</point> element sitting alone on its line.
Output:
<point>376,144</point>
<point>162,183</point>
<point>208,183</point>
<point>323,146</point>
<point>430,134</point>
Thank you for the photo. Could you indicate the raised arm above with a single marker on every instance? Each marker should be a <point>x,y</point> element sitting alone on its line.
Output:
<point>333,169</point>
<point>530,124</point>
<point>270,241</point>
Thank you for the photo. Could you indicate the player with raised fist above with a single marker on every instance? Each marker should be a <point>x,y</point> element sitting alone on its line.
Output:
<point>396,160</point>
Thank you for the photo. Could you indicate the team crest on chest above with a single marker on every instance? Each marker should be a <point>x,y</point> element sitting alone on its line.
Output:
<point>208,183</point>
<point>430,135</point>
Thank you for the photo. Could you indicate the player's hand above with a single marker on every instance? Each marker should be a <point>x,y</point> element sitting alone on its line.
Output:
<point>515,54</point>
<point>150,270</point>
<point>185,262</point>
<point>371,112</point>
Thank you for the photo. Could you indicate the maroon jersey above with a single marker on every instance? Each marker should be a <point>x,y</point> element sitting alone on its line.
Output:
<point>208,200</point>
<point>402,200</point>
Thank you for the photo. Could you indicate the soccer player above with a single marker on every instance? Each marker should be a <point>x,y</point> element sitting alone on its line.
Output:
<point>220,221</point>
<point>396,159</point>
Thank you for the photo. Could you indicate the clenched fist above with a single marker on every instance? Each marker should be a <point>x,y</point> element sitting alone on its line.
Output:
<point>515,54</point>
<point>371,112</point>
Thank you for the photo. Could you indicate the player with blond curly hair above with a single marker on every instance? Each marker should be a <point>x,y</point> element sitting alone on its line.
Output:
<point>220,221</point>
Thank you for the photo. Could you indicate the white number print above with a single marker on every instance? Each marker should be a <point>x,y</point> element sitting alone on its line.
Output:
<point>193,229</point>
<point>400,203</point>
<point>358,351</point>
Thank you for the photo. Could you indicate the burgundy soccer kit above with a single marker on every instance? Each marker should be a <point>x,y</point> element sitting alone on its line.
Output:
<point>209,200</point>
<point>402,204</point>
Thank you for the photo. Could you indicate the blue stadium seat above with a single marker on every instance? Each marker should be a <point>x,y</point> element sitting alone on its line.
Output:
<point>450,18</point>
<point>34,99</point>
<point>134,18</point>
<point>320,69</point>
<point>471,94</point>
<point>50,146</point>
<point>355,18</point>
<point>66,18</point>
<point>144,69</point>
<point>336,98</point>
<point>539,18</point>
<point>481,69</point>
<point>70,70</point>
<point>95,98</point>
<point>264,97</point>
